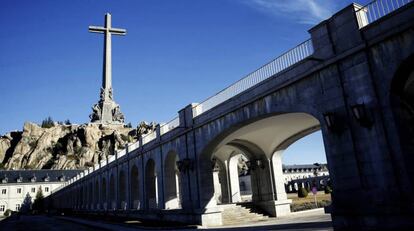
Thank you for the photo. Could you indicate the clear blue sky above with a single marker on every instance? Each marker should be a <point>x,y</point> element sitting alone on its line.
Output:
<point>174,53</point>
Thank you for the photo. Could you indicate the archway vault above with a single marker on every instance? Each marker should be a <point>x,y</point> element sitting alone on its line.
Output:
<point>271,133</point>
<point>259,140</point>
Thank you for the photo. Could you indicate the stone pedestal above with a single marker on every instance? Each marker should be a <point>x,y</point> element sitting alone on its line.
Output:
<point>211,217</point>
<point>276,208</point>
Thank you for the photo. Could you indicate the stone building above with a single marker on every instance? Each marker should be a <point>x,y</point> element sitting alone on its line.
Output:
<point>20,187</point>
<point>295,176</point>
<point>306,176</point>
<point>352,80</point>
<point>303,171</point>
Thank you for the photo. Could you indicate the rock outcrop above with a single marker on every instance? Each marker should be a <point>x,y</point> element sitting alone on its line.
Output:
<point>65,146</point>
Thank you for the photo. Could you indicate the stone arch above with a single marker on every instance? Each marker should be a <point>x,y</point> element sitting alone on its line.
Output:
<point>104,196</point>
<point>172,181</point>
<point>112,192</point>
<point>151,185</point>
<point>135,188</point>
<point>122,190</point>
<point>82,197</point>
<point>402,102</point>
<point>260,137</point>
<point>96,194</point>
<point>90,195</point>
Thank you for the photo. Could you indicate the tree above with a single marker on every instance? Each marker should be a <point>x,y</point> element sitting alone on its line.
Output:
<point>27,204</point>
<point>48,122</point>
<point>302,192</point>
<point>39,202</point>
<point>67,122</point>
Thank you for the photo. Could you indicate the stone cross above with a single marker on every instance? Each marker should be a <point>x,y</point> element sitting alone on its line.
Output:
<point>107,64</point>
<point>106,111</point>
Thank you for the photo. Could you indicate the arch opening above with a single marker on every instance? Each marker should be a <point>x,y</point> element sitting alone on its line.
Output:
<point>112,191</point>
<point>256,149</point>
<point>90,196</point>
<point>402,102</point>
<point>96,194</point>
<point>104,194</point>
<point>122,191</point>
<point>135,188</point>
<point>172,182</point>
<point>151,185</point>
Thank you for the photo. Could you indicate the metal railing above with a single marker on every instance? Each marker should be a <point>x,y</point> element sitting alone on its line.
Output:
<point>279,64</point>
<point>377,9</point>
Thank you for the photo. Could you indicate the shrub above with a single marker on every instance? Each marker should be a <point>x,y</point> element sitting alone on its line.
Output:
<point>302,193</point>
<point>7,213</point>
<point>328,189</point>
<point>309,205</point>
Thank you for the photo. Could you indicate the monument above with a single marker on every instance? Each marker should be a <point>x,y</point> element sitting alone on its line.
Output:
<point>106,111</point>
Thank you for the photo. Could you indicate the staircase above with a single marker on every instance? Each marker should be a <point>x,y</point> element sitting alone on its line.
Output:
<point>238,214</point>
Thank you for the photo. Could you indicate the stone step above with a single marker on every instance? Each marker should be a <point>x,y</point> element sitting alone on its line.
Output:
<point>236,214</point>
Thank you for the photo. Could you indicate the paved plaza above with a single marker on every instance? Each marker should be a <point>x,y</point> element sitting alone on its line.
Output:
<point>308,220</point>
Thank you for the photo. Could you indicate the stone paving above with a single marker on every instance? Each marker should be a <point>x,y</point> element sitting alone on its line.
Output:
<point>309,220</point>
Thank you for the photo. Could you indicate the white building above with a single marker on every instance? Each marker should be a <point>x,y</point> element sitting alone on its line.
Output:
<point>291,173</point>
<point>18,186</point>
<point>304,171</point>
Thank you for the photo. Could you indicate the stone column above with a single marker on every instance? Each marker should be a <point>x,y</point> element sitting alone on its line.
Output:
<point>203,203</point>
<point>233,176</point>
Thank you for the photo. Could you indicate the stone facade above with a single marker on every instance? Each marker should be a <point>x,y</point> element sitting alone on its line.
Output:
<point>355,88</point>
<point>19,188</point>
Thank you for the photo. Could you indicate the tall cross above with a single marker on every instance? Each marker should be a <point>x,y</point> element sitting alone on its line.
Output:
<point>107,63</point>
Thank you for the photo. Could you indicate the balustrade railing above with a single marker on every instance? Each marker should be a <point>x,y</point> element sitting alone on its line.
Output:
<point>377,9</point>
<point>279,64</point>
<point>170,125</point>
<point>121,153</point>
<point>149,137</point>
<point>133,146</point>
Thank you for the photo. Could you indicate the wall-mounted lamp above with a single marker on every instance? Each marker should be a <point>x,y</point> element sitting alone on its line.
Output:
<point>330,121</point>
<point>361,114</point>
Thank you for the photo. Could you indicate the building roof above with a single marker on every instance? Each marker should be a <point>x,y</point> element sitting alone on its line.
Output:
<point>31,176</point>
<point>304,166</point>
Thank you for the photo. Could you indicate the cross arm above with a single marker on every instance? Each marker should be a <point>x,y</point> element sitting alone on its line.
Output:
<point>117,31</point>
<point>97,29</point>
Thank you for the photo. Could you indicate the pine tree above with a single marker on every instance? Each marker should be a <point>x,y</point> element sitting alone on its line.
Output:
<point>38,204</point>
<point>48,122</point>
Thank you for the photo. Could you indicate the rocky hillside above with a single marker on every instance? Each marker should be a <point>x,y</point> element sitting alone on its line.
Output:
<point>64,146</point>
